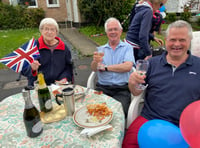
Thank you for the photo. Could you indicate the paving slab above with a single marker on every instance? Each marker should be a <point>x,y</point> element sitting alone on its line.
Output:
<point>79,41</point>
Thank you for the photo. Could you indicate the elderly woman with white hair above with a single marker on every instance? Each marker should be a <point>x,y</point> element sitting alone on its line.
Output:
<point>55,57</point>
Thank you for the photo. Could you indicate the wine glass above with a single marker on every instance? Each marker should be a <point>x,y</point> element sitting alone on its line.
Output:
<point>141,68</point>
<point>100,55</point>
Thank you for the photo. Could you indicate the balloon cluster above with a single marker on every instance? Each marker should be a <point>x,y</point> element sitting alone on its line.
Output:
<point>159,133</point>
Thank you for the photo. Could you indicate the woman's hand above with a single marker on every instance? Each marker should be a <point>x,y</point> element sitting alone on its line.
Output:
<point>35,65</point>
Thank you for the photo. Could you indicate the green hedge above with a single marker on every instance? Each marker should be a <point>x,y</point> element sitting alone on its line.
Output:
<point>186,16</point>
<point>171,17</point>
<point>17,17</point>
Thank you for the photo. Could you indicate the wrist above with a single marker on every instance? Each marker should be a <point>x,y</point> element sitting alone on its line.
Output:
<point>106,68</point>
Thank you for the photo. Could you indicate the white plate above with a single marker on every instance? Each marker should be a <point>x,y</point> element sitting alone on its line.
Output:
<point>57,89</point>
<point>81,117</point>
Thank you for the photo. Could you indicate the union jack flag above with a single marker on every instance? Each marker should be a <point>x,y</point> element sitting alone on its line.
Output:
<point>22,57</point>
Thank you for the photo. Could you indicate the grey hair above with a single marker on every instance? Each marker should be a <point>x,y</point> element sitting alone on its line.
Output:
<point>110,20</point>
<point>156,1</point>
<point>48,21</point>
<point>152,1</point>
<point>180,24</point>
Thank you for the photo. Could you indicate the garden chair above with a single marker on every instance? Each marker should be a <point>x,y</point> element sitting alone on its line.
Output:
<point>195,44</point>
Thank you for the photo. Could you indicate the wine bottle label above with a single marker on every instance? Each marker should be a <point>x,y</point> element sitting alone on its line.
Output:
<point>37,127</point>
<point>48,104</point>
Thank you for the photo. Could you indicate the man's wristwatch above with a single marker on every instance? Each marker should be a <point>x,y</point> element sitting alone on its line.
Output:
<point>106,68</point>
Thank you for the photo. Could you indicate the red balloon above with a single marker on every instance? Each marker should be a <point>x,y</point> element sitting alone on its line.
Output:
<point>190,124</point>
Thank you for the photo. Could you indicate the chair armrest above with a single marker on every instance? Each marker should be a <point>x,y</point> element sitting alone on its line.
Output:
<point>195,50</point>
<point>134,108</point>
<point>91,80</point>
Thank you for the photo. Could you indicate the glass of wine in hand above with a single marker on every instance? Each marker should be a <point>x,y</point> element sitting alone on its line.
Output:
<point>100,55</point>
<point>141,68</point>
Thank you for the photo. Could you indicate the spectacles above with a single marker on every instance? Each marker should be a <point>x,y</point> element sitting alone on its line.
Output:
<point>113,29</point>
<point>49,29</point>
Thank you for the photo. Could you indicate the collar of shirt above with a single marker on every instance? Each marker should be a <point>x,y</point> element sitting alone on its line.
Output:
<point>164,60</point>
<point>121,44</point>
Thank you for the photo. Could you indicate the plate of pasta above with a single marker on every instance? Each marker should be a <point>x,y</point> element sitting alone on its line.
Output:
<point>93,115</point>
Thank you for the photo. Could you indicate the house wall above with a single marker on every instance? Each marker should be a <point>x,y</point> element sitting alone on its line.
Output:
<point>5,1</point>
<point>73,13</point>
<point>58,13</point>
<point>172,6</point>
<point>177,6</point>
<point>61,13</point>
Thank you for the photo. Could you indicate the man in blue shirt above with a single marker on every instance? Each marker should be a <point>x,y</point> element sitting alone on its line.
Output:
<point>173,80</point>
<point>114,68</point>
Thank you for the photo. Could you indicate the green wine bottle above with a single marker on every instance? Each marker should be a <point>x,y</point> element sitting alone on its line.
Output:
<point>31,116</point>
<point>44,95</point>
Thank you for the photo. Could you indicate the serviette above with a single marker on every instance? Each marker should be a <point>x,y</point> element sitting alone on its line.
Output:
<point>88,132</point>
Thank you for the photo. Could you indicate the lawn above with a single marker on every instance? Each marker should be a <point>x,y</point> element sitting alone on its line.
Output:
<point>98,34</point>
<point>13,39</point>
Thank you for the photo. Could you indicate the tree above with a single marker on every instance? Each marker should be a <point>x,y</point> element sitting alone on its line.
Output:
<point>97,11</point>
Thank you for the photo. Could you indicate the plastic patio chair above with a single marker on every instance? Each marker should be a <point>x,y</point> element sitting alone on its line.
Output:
<point>135,108</point>
<point>195,44</point>
<point>91,80</point>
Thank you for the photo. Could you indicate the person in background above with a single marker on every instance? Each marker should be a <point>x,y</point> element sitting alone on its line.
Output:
<point>173,80</point>
<point>139,29</point>
<point>55,57</point>
<point>115,66</point>
<point>162,12</point>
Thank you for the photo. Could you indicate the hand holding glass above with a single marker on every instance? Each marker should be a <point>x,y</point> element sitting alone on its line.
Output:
<point>141,68</point>
<point>100,65</point>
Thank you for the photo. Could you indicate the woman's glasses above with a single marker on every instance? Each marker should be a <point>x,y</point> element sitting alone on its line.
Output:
<point>49,29</point>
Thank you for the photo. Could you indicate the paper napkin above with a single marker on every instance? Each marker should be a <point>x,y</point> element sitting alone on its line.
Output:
<point>88,132</point>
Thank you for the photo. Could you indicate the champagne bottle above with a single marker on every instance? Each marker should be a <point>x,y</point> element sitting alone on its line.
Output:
<point>44,95</point>
<point>31,116</point>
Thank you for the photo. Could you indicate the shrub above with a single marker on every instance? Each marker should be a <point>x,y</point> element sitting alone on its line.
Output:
<point>97,11</point>
<point>198,21</point>
<point>16,17</point>
<point>171,17</point>
<point>186,16</point>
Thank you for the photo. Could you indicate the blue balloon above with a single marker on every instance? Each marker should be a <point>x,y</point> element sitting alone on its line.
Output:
<point>160,134</point>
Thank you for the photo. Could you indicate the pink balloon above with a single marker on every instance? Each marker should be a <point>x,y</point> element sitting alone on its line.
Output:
<point>190,124</point>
